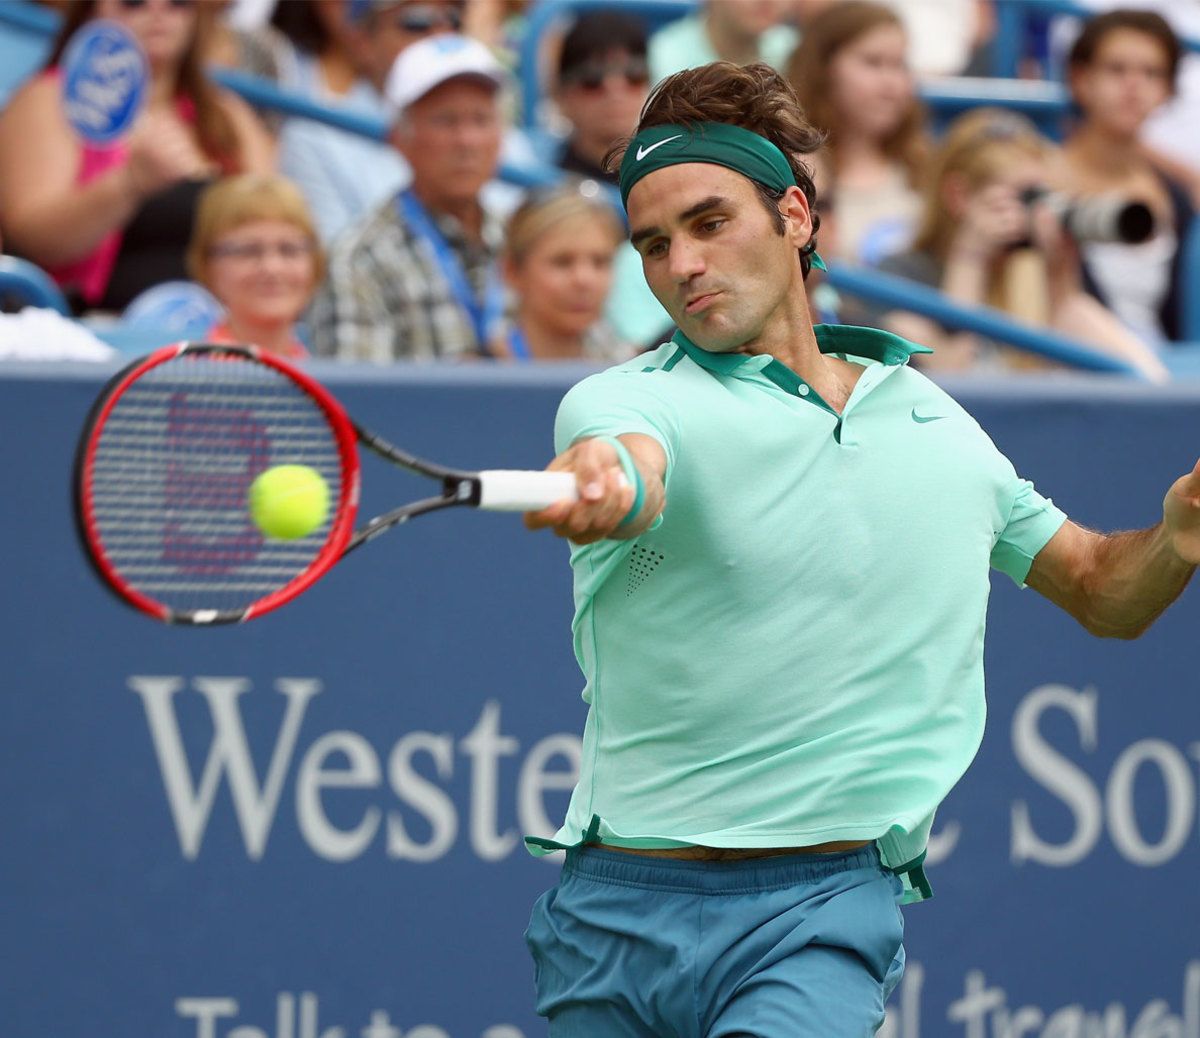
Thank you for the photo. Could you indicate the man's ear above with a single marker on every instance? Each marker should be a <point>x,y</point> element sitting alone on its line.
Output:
<point>797,214</point>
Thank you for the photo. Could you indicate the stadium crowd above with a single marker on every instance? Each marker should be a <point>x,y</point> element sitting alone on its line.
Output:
<point>317,241</point>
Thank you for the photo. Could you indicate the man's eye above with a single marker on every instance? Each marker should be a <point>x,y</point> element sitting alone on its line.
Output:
<point>711,225</point>
<point>658,248</point>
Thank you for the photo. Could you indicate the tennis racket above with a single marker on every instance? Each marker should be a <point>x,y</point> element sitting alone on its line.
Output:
<point>165,463</point>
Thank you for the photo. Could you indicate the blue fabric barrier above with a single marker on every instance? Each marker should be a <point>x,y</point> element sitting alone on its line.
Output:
<point>904,294</point>
<point>307,827</point>
<point>32,285</point>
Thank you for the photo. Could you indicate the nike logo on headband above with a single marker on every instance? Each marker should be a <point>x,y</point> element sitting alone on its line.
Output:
<point>643,152</point>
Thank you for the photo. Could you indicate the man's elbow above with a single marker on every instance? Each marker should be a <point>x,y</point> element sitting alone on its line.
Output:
<point>1100,627</point>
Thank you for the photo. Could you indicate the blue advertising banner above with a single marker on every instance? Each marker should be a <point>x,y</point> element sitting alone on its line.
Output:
<point>309,826</point>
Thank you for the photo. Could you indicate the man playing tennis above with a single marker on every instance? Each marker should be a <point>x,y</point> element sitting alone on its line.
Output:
<point>781,555</point>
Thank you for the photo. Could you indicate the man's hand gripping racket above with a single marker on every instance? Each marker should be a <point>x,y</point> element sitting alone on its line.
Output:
<point>165,464</point>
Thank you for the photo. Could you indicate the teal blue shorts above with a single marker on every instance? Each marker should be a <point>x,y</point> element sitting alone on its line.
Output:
<point>793,946</point>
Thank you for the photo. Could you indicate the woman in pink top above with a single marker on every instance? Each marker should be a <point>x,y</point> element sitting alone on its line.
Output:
<point>255,248</point>
<point>108,222</point>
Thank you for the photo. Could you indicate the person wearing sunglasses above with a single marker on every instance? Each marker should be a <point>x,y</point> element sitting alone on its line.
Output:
<point>343,54</point>
<point>601,86</point>
<point>109,221</point>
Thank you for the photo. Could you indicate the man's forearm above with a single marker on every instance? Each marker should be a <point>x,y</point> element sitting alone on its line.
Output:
<point>1132,579</point>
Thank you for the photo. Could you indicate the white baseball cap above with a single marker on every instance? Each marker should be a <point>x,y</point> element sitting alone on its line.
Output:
<point>431,62</point>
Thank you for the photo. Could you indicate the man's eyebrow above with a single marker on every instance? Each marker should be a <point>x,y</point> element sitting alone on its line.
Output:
<point>703,206</point>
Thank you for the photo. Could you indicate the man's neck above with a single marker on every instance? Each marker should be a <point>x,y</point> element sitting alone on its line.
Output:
<point>791,340</point>
<point>729,43</point>
<point>468,212</point>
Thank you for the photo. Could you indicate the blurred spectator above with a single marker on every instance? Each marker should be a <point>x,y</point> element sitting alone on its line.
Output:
<point>419,278</point>
<point>255,249</point>
<point>558,262</point>
<point>343,63</point>
<point>741,31</point>
<point>852,77</point>
<point>1120,70</point>
<point>496,23</point>
<point>602,84</point>
<point>256,52</point>
<point>946,37</point>
<point>384,28</point>
<point>983,241</point>
<point>109,222</point>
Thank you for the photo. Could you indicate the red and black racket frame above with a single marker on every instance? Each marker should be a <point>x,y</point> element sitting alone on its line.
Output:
<point>341,530</point>
<point>458,487</point>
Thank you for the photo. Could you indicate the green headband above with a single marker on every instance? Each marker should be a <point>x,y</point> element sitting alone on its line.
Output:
<point>718,143</point>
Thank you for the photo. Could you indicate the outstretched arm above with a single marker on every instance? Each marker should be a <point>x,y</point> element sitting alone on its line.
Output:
<point>1118,585</point>
<point>605,495</point>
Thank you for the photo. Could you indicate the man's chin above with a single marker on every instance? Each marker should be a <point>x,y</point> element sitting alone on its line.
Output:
<point>710,338</point>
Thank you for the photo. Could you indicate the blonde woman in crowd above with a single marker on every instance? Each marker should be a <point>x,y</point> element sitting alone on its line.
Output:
<point>985,239</point>
<point>255,249</point>
<point>851,75</point>
<point>558,263</point>
<point>107,221</point>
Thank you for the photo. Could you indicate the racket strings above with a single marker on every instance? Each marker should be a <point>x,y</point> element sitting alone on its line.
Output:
<point>171,474</point>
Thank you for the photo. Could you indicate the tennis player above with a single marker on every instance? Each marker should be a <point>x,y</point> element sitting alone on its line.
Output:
<point>781,558</point>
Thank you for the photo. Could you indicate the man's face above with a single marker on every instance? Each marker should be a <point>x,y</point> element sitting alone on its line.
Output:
<point>390,30</point>
<point>712,255</point>
<point>603,96</point>
<point>451,138</point>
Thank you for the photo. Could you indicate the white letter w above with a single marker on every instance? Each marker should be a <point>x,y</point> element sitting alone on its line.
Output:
<point>229,752</point>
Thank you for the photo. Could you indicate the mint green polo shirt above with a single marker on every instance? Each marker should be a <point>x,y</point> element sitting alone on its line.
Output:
<point>793,653</point>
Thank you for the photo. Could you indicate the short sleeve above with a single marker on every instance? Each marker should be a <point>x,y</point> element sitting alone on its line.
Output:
<point>615,402</point>
<point>1032,521</point>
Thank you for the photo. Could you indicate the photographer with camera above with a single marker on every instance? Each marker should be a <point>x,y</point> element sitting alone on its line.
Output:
<point>991,233</point>
<point>1120,69</point>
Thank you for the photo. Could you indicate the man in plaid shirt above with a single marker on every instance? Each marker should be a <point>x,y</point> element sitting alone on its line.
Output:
<point>418,279</point>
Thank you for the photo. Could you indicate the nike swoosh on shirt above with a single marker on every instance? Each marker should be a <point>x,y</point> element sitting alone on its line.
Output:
<point>643,152</point>
<point>922,419</point>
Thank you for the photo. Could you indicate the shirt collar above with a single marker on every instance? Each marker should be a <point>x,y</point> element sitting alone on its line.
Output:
<point>871,343</point>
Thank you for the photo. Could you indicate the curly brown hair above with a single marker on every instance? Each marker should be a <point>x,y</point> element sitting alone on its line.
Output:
<point>754,97</point>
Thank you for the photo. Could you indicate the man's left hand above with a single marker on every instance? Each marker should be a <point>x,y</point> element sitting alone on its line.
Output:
<point>1181,516</point>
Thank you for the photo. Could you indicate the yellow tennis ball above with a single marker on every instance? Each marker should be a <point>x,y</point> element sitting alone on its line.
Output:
<point>288,501</point>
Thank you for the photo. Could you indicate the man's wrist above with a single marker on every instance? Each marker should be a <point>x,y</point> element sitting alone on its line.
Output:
<point>632,476</point>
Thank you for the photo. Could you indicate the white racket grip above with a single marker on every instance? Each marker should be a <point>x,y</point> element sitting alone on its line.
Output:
<point>511,490</point>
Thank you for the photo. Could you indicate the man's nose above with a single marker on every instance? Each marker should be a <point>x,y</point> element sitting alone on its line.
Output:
<point>686,260</point>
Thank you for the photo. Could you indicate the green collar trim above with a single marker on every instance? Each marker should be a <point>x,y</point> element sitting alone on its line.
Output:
<point>872,343</point>
<point>851,340</point>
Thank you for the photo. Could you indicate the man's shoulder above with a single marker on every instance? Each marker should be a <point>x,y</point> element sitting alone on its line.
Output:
<point>662,359</point>
<point>645,372</point>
